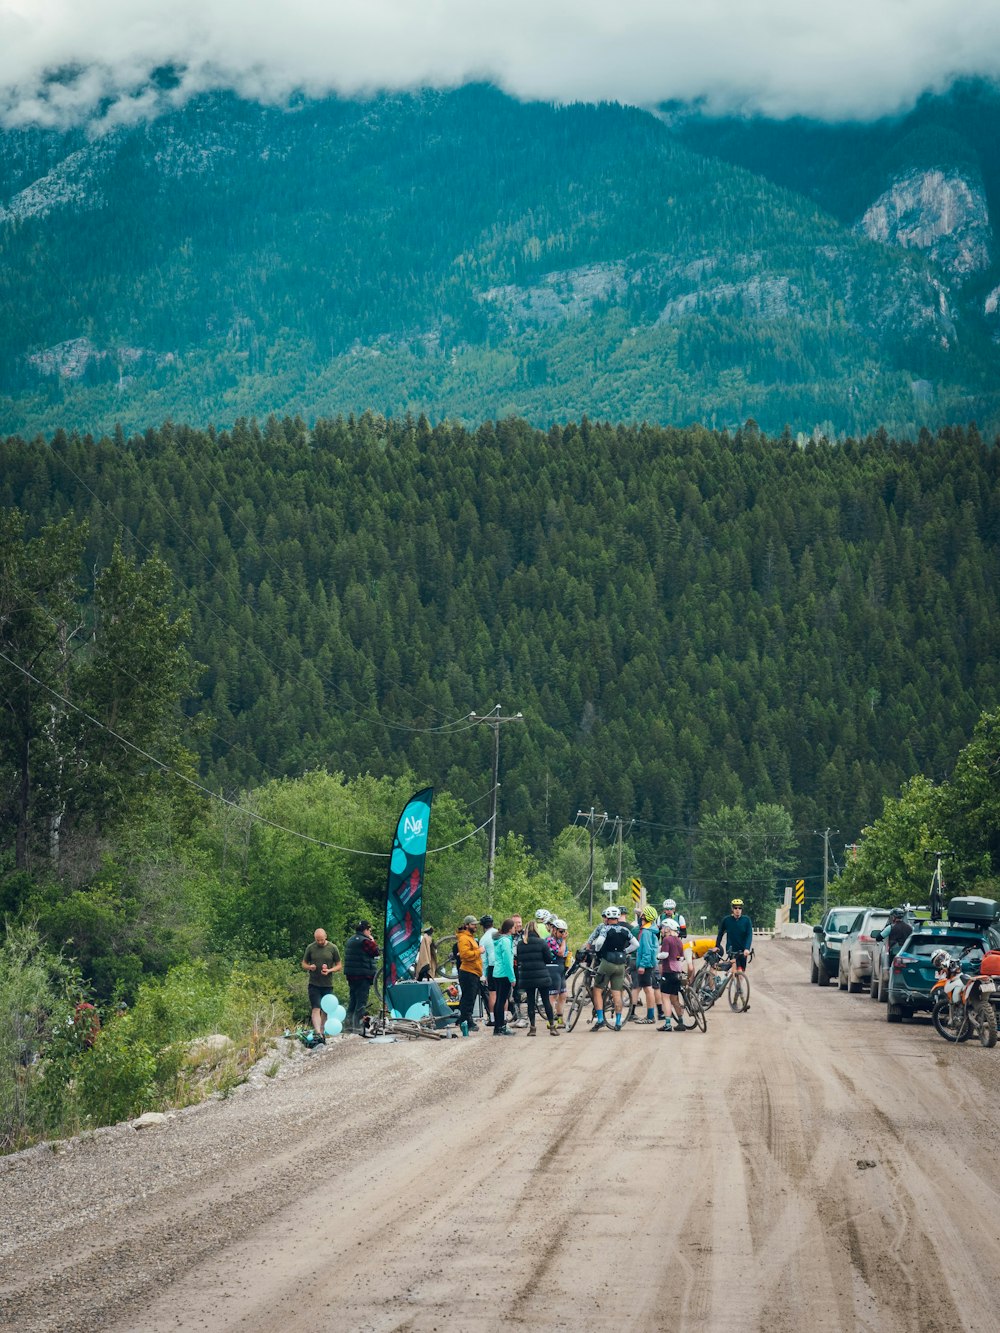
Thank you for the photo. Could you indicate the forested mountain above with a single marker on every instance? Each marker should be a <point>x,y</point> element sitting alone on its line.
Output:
<point>685,619</point>
<point>468,256</point>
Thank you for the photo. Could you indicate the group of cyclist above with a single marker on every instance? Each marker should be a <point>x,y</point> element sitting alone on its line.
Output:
<point>651,955</point>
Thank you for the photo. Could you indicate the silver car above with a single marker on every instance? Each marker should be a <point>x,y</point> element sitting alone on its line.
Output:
<point>857,949</point>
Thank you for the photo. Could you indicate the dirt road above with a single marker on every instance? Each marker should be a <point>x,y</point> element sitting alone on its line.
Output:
<point>660,1182</point>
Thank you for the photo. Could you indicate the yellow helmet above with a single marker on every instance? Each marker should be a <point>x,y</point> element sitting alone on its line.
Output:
<point>736,902</point>
<point>648,914</point>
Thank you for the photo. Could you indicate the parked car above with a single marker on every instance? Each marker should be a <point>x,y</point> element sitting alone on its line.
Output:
<point>855,968</point>
<point>824,961</point>
<point>911,976</point>
<point>879,984</point>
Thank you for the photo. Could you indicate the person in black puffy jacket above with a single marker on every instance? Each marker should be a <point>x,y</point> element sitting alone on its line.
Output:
<point>533,958</point>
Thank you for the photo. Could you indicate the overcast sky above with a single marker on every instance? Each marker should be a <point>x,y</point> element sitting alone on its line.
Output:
<point>849,59</point>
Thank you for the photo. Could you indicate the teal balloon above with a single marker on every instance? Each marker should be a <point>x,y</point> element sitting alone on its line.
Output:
<point>333,1027</point>
<point>330,1004</point>
<point>340,1013</point>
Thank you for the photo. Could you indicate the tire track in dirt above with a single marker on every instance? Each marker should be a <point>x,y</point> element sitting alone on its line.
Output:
<point>513,1185</point>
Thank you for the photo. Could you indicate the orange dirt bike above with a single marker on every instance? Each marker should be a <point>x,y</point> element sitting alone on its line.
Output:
<point>962,1005</point>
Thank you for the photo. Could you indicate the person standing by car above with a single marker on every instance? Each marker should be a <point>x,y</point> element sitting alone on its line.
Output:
<point>321,960</point>
<point>737,929</point>
<point>470,971</point>
<point>503,976</point>
<point>533,976</point>
<point>360,966</point>
<point>900,931</point>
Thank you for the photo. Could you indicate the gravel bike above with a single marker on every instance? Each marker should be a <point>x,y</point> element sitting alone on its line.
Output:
<point>582,995</point>
<point>715,978</point>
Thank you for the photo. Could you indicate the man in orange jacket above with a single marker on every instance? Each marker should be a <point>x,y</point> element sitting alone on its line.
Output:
<point>470,970</point>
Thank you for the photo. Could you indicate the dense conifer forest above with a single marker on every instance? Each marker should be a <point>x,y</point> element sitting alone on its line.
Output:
<point>685,619</point>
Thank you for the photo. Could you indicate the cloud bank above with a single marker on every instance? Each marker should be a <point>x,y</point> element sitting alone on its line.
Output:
<point>62,61</point>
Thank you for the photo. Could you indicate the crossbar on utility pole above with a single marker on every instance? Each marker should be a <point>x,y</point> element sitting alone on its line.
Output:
<point>493,719</point>
<point>825,835</point>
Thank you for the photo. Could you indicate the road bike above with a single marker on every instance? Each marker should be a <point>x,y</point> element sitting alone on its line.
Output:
<point>715,979</point>
<point>582,995</point>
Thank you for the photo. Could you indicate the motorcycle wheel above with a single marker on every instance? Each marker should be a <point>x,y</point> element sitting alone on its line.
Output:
<point>984,1019</point>
<point>949,1020</point>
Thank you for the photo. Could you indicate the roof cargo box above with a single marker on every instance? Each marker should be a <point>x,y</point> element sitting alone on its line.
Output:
<point>978,911</point>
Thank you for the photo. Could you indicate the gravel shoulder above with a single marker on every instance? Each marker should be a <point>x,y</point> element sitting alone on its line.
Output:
<point>803,1165</point>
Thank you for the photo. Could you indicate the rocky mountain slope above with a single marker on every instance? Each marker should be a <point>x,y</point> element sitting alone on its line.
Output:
<point>465,255</point>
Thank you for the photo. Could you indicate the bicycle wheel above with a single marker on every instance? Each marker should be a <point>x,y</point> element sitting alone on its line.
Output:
<point>578,986</point>
<point>739,993</point>
<point>694,1012</point>
<point>573,1011</point>
<point>627,1003</point>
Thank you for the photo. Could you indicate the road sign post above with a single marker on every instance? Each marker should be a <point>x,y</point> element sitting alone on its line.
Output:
<point>800,896</point>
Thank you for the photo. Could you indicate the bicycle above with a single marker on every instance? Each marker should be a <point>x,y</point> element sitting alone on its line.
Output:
<point>582,993</point>
<point>692,1010</point>
<point>709,988</point>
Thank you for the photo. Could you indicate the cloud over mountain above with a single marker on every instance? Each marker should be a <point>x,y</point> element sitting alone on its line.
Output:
<point>64,60</point>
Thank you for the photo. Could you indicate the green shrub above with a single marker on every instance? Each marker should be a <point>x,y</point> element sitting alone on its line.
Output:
<point>115,1079</point>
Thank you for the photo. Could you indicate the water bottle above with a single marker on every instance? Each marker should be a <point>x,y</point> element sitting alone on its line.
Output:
<point>465,1028</point>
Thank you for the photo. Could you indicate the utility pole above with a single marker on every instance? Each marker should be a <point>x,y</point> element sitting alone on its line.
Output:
<point>493,719</point>
<point>593,833</point>
<point>620,823</point>
<point>825,835</point>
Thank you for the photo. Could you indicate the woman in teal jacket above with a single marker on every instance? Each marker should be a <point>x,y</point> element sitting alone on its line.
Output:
<point>503,977</point>
<point>646,963</point>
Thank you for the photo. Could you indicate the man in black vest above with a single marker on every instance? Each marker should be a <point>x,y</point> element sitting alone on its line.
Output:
<point>360,963</point>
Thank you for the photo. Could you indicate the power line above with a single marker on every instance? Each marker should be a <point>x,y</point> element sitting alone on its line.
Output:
<point>206,791</point>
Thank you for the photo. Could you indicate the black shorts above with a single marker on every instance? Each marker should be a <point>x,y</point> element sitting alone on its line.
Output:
<point>316,994</point>
<point>648,978</point>
<point>670,983</point>
<point>489,979</point>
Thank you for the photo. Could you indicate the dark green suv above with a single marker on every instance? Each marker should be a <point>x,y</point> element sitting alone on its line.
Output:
<point>911,975</point>
<point>824,961</point>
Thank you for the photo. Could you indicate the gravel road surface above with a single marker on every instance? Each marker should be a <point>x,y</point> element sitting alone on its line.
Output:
<point>802,1166</point>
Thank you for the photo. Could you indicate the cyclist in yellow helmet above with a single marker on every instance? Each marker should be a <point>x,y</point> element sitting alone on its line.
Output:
<point>646,979</point>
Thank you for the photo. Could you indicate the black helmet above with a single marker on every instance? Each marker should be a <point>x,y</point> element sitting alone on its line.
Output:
<point>486,922</point>
<point>896,914</point>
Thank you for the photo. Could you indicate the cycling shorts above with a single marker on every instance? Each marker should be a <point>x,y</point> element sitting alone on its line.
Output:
<point>649,978</point>
<point>610,974</point>
<point>670,983</point>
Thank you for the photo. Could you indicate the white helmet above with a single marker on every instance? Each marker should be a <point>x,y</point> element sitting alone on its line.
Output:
<point>940,958</point>
<point>669,905</point>
<point>671,924</point>
<point>612,913</point>
<point>557,923</point>
<point>543,916</point>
